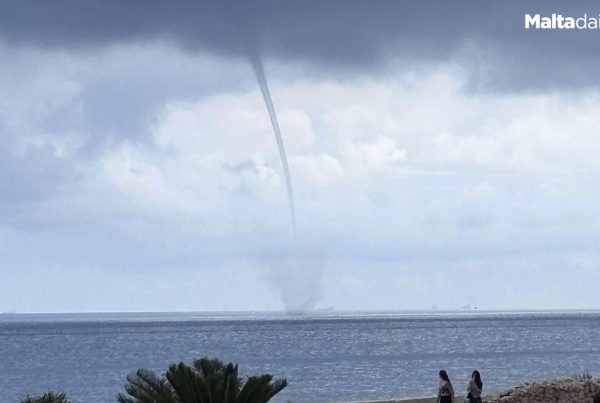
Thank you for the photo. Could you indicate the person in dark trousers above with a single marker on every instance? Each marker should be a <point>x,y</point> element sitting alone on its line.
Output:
<point>446,391</point>
<point>474,388</point>
<point>597,397</point>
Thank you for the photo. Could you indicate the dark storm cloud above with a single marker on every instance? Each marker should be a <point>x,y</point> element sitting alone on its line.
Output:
<point>487,37</point>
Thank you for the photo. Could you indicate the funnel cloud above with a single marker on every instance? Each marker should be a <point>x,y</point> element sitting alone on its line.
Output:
<point>266,94</point>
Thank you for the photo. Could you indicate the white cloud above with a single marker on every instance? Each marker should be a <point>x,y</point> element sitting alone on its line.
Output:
<point>406,165</point>
<point>317,170</point>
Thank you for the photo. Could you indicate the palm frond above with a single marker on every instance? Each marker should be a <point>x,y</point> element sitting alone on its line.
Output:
<point>48,397</point>
<point>260,389</point>
<point>188,385</point>
<point>207,381</point>
<point>231,384</point>
<point>144,386</point>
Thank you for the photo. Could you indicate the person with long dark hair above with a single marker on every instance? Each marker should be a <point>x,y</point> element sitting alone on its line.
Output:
<point>446,391</point>
<point>474,388</point>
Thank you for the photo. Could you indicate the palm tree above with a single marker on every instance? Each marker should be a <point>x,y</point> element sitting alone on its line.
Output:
<point>207,381</point>
<point>48,397</point>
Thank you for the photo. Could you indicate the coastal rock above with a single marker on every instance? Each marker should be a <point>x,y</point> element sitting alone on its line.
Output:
<point>576,389</point>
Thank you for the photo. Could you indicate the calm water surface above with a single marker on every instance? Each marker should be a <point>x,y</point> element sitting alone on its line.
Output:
<point>326,357</point>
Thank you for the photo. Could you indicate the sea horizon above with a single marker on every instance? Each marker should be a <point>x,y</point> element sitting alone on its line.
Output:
<point>282,313</point>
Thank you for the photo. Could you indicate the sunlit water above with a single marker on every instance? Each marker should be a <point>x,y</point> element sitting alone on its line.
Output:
<point>325,357</point>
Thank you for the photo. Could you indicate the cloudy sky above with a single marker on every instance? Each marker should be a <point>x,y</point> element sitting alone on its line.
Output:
<point>441,155</point>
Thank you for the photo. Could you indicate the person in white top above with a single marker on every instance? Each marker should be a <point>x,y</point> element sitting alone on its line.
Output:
<point>474,388</point>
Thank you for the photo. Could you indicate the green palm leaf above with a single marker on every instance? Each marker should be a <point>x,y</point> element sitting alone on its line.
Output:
<point>188,385</point>
<point>146,387</point>
<point>207,381</point>
<point>48,397</point>
<point>260,389</point>
<point>231,384</point>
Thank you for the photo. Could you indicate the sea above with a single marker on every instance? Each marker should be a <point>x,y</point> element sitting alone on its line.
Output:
<point>326,356</point>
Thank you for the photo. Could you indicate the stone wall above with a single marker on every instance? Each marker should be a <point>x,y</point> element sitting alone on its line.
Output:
<point>575,390</point>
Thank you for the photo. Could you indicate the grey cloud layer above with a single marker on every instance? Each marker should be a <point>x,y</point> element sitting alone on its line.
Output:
<point>487,37</point>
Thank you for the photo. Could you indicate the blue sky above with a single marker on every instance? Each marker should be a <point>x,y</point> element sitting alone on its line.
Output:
<point>441,156</point>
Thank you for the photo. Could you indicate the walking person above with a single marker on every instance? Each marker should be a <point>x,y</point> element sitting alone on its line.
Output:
<point>474,388</point>
<point>446,391</point>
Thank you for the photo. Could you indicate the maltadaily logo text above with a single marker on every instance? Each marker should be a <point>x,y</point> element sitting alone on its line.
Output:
<point>558,21</point>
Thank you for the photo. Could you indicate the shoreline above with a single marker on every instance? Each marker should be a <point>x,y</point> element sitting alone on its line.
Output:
<point>457,399</point>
